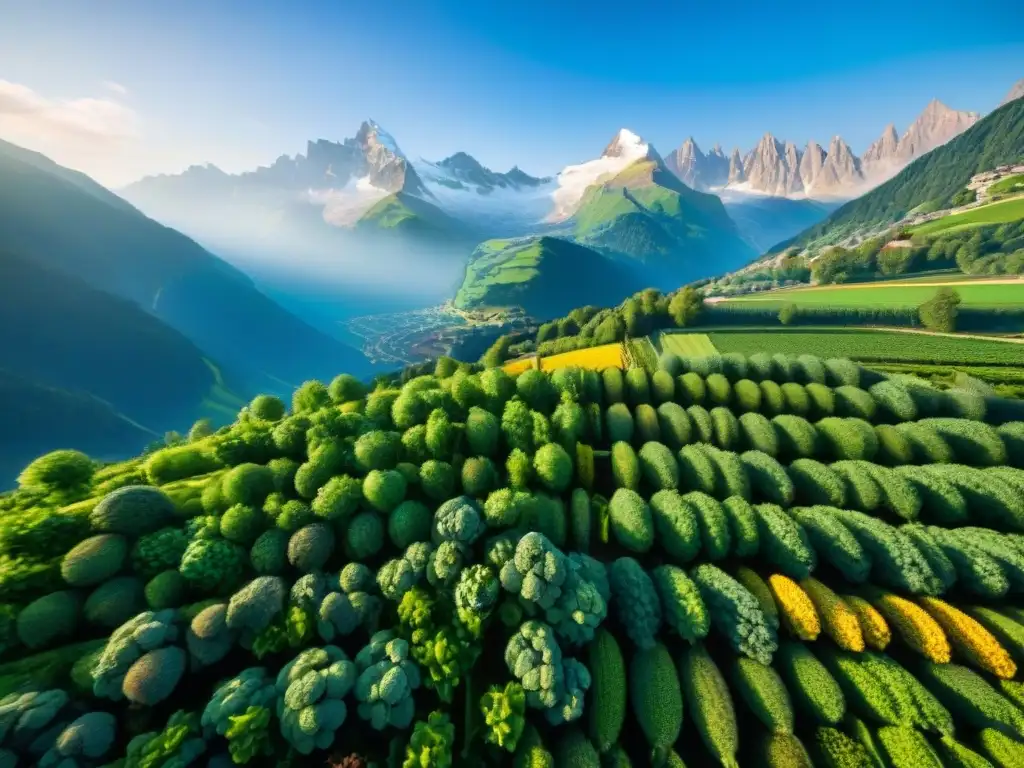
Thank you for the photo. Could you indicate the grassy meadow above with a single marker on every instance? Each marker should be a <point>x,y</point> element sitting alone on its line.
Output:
<point>994,213</point>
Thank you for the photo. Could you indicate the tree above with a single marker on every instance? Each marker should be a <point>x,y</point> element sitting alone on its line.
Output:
<point>497,352</point>
<point>685,306</point>
<point>202,428</point>
<point>939,312</point>
<point>787,314</point>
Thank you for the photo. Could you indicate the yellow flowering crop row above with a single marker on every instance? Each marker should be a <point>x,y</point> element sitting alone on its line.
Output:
<point>872,623</point>
<point>594,358</point>
<point>838,619</point>
<point>795,607</point>
<point>916,627</point>
<point>972,641</point>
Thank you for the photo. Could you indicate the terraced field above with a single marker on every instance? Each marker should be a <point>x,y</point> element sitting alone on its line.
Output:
<point>981,292</point>
<point>994,213</point>
<point>686,344</point>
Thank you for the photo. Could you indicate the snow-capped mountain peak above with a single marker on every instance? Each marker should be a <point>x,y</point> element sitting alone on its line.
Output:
<point>626,144</point>
<point>371,132</point>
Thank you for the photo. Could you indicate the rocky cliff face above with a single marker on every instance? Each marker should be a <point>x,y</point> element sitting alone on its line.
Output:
<point>778,168</point>
<point>698,170</point>
<point>1017,92</point>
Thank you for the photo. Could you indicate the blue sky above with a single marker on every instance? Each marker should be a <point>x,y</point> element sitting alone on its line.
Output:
<point>537,83</point>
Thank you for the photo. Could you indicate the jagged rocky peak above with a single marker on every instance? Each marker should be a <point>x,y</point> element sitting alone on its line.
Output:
<point>883,150</point>
<point>773,167</point>
<point>736,172</point>
<point>716,151</point>
<point>932,128</point>
<point>385,165</point>
<point>840,171</point>
<point>811,163</point>
<point>1016,92</point>
<point>626,144</point>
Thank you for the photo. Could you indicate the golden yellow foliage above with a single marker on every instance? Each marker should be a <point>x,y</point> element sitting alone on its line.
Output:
<point>872,624</point>
<point>795,607</point>
<point>971,640</point>
<point>916,627</point>
<point>838,620</point>
<point>595,358</point>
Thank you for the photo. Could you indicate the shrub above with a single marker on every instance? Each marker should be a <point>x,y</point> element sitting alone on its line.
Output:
<point>716,539</point>
<point>658,466</point>
<point>854,402</point>
<point>409,522</point>
<point>816,484</point>
<point>607,711</point>
<point>630,520</point>
<point>158,551</point>
<point>795,608</point>
<point>267,408</point>
<point>656,699</point>
<point>619,423</point>
<point>663,387</point>
<point>345,388</point>
<point>94,560</point>
<point>973,442</point>
<point>841,372</point>
<point>797,437</point>
<point>132,511</point>
<point>894,558</point>
<point>759,434</point>
<point>747,395</point>
<point>635,601</point>
<point>795,399</point>
<point>153,678</point>
<point>165,590</point>
<point>383,490</point>
<point>719,390</point>
<point>837,618</point>
<point>691,389</point>
<point>537,391</point>
<point>970,639</point>
<point>833,543</point>
<point>646,420</point>
<point>49,618</point>
<point>768,479</point>
<point>269,553</point>
<point>815,691</point>
<point>614,386</point>
<point>758,587</point>
<point>674,425</point>
<point>310,547</point>
<point>764,693</point>
<point>783,543</point>
<point>625,466</point>
<point>735,613</point>
<point>759,366</point>
<point>242,524</point>
<point>437,478</point>
<point>114,602</point>
<point>479,476</point>
<point>61,471</point>
<point>927,445</point>
<point>734,365</point>
<point>970,698</point>
<point>703,428</point>
<point>696,469</point>
<point>725,428</point>
<point>847,438</point>
<point>731,474</point>
<point>676,526</point>
<point>172,464</point>
<point>862,491</point>
<point>710,704</point>
<point>915,627</point>
<point>364,536</point>
<point>311,396</point>
<point>681,603</point>
<point>894,400</point>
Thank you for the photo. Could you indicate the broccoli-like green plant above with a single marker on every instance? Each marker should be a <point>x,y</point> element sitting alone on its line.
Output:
<point>479,476</point>
<point>445,564</point>
<point>833,542</point>
<point>553,466</point>
<point>459,520</point>
<point>208,638</point>
<point>211,564</point>
<point>386,681</point>
<point>552,683</point>
<point>132,511</point>
<point>398,576</point>
<point>437,479</point>
<point>681,603</point>
<point>255,606</point>
<point>504,711</point>
<point>94,560</point>
<point>635,601</point>
<point>311,689</point>
<point>519,468</point>
<point>537,572</point>
<point>735,613</point>
<point>431,744</point>
<point>676,526</point>
<point>377,449</point>
<point>247,484</point>
<point>631,522</point>
<point>409,522</point>
<point>269,553</point>
<point>345,388</point>
<point>87,738</point>
<point>180,743</point>
<point>158,551</point>
<point>476,595</point>
<point>151,678</point>
<point>784,543</point>
<point>236,711</point>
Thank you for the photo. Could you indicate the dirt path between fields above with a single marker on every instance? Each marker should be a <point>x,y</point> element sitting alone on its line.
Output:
<point>923,332</point>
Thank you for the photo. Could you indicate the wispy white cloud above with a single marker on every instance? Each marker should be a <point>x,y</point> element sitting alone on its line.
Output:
<point>115,88</point>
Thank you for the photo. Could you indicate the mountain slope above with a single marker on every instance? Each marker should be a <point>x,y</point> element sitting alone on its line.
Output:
<point>546,276</point>
<point>118,375</point>
<point>62,221</point>
<point>639,212</point>
<point>995,140</point>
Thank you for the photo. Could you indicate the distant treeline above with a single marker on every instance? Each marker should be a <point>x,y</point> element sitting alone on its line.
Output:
<point>980,319</point>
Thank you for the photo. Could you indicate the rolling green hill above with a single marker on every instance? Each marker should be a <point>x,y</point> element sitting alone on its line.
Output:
<point>409,215</point>
<point>932,180</point>
<point>646,216</point>
<point>546,276</point>
<point>63,221</point>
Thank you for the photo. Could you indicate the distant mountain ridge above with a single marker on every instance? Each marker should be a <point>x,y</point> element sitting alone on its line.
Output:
<point>778,168</point>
